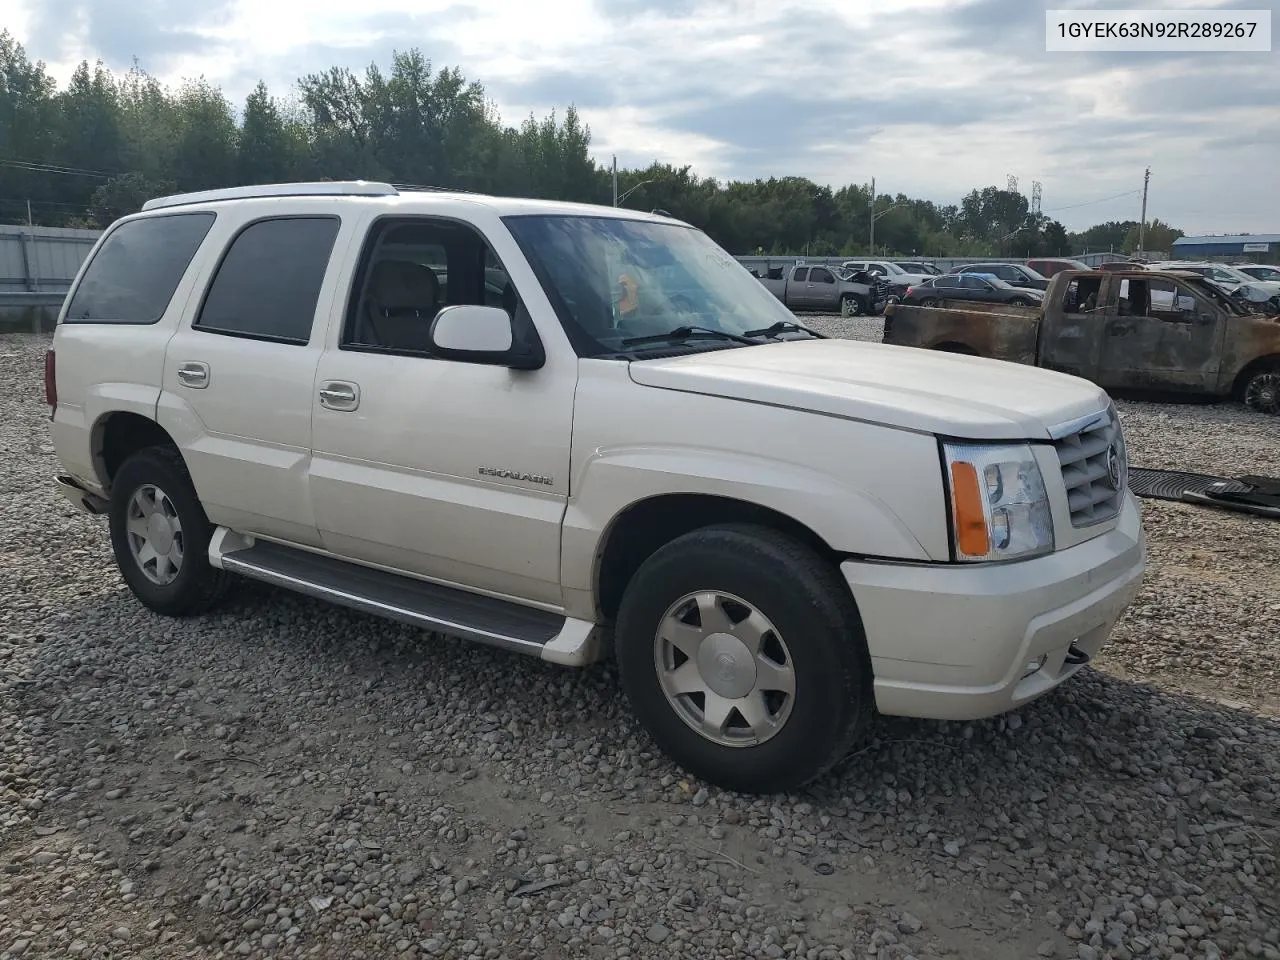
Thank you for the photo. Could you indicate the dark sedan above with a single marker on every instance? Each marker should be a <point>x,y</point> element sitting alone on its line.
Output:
<point>1014,274</point>
<point>970,286</point>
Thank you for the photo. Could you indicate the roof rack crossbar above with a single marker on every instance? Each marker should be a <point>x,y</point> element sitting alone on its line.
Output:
<point>319,188</point>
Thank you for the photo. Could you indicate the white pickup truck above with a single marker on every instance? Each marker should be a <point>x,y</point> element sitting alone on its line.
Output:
<point>577,432</point>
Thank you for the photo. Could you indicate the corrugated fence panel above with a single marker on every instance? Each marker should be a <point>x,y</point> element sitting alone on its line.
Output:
<point>42,258</point>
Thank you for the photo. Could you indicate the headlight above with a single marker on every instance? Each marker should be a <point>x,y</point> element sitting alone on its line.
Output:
<point>999,508</point>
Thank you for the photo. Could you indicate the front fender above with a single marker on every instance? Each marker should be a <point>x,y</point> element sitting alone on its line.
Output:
<point>617,478</point>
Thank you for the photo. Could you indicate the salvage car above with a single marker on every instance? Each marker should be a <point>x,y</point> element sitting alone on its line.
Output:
<point>818,289</point>
<point>1014,274</point>
<point>774,534</point>
<point>1169,331</point>
<point>968,286</point>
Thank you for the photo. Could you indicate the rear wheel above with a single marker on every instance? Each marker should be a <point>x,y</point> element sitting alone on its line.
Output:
<point>743,656</point>
<point>929,302</point>
<point>1018,302</point>
<point>1261,391</point>
<point>160,535</point>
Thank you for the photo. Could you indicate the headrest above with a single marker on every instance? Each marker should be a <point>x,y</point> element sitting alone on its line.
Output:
<point>401,284</point>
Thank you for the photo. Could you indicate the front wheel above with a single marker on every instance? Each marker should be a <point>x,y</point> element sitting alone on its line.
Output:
<point>1261,390</point>
<point>743,656</point>
<point>850,306</point>
<point>160,535</point>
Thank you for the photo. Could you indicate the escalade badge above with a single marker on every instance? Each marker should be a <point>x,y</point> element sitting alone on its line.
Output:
<point>516,475</point>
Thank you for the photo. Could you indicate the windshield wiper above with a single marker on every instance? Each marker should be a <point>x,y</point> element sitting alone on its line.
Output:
<point>685,333</point>
<point>785,326</point>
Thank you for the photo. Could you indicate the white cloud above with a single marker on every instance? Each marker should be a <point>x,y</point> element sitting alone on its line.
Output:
<point>929,97</point>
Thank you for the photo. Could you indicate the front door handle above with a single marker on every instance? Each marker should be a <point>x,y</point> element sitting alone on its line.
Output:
<point>194,374</point>
<point>339,395</point>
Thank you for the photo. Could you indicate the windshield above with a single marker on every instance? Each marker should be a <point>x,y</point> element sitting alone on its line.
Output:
<point>1263,273</point>
<point>613,279</point>
<point>1237,275</point>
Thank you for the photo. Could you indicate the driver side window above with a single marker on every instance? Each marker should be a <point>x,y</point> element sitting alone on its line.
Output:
<point>412,269</point>
<point>821,275</point>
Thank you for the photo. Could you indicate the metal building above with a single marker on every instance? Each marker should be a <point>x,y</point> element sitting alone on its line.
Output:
<point>1239,248</point>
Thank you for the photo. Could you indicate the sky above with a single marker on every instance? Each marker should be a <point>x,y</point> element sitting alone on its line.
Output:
<point>929,97</point>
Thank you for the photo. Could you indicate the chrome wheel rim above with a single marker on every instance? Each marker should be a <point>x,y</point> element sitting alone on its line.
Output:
<point>724,669</point>
<point>155,534</point>
<point>1263,393</point>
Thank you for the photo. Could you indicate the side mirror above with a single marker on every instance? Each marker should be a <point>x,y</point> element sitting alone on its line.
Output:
<point>475,334</point>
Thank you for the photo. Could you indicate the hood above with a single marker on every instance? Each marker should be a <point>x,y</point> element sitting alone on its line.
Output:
<point>905,387</point>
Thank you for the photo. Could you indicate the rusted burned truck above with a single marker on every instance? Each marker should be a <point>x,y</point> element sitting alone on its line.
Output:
<point>1123,329</point>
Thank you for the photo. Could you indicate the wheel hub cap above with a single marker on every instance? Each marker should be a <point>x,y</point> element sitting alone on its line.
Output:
<point>160,532</point>
<point>726,665</point>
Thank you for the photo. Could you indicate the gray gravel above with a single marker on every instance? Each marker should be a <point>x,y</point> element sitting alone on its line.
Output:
<point>284,778</point>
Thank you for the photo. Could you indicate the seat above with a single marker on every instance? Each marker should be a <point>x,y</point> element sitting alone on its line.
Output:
<point>400,302</point>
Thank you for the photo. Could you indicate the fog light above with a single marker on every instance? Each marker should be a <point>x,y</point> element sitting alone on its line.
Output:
<point>1034,665</point>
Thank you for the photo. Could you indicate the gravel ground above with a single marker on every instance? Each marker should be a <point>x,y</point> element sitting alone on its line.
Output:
<point>284,778</point>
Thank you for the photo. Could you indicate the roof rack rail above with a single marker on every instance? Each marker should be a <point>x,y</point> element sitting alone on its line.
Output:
<point>319,188</point>
<point>430,188</point>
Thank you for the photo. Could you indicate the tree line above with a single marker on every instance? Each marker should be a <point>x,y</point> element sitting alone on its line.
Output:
<point>96,150</point>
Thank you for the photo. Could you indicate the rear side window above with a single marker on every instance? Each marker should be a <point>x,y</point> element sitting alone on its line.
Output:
<point>133,275</point>
<point>269,280</point>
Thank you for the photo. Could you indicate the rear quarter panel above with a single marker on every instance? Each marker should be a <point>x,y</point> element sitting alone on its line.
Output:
<point>105,368</point>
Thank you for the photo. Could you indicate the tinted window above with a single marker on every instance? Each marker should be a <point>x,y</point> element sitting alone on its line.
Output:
<point>819,275</point>
<point>132,277</point>
<point>269,281</point>
<point>801,273</point>
<point>949,283</point>
<point>970,282</point>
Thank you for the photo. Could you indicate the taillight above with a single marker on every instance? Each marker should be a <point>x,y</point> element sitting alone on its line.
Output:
<point>50,382</point>
<point>908,292</point>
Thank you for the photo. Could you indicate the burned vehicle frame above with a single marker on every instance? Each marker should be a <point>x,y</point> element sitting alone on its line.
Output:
<point>1166,331</point>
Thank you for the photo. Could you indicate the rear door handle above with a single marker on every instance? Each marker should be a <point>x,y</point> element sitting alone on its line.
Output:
<point>339,395</point>
<point>193,374</point>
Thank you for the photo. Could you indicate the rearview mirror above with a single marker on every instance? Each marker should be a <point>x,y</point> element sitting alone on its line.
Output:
<point>471,333</point>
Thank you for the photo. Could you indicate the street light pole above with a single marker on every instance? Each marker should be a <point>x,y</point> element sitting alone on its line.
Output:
<point>615,179</point>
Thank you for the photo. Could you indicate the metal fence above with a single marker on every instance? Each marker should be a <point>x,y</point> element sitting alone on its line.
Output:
<point>37,265</point>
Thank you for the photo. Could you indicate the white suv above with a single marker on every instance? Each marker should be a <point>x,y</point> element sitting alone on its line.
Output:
<point>576,431</point>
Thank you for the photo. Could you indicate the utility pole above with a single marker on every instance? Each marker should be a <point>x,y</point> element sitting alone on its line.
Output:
<point>1142,227</point>
<point>873,217</point>
<point>29,212</point>
<point>615,179</point>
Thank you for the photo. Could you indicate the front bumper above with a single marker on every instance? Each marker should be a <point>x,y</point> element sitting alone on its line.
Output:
<point>955,642</point>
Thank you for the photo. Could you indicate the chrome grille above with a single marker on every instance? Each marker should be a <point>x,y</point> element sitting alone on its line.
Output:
<point>1095,469</point>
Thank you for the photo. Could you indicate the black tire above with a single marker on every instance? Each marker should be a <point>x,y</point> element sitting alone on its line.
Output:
<point>1019,302</point>
<point>929,302</point>
<point>198,586</point>
<point>809,605</point>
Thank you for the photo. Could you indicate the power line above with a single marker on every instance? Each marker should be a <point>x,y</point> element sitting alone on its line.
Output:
<point>1087,203</point>
<point>54,168</point>
<point>60,166</point>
